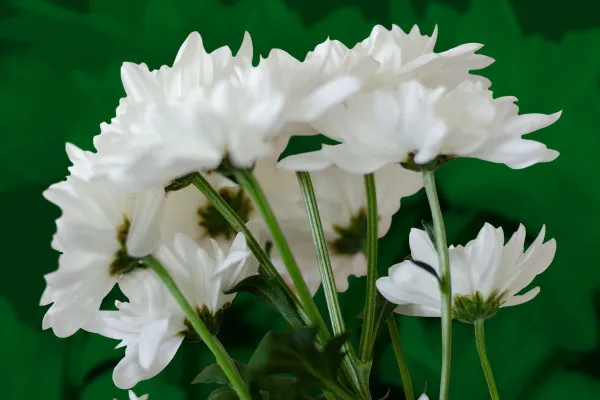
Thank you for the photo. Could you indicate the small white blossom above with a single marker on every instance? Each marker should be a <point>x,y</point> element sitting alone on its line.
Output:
<point>151,325</point>
<point>101,234</point>
<point>485,269</point>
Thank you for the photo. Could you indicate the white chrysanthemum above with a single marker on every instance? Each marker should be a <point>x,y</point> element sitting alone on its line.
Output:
<point>151,325</point>
<point>101,234</point>
<point>486,274</point>
<point>342,205</point>
<point>206,110</point>
<point>420,124</point>
<point>132,396</point>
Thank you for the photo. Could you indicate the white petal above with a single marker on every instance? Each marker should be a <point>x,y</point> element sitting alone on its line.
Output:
<point>313,161</point>
<point>138,83</point>
<point>246,50</point>
<point>324,97</point>
<point>151,338</point>
<point>353,160</point>
<point>422,249</point>
<point>144,235</point>
<point>520,299</point>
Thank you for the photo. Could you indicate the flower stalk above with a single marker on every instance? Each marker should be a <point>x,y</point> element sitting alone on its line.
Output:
<point>328,280</point>
<point>214,345</point>
<point>445,285</point>
<point>367,338</point>
<point>485,362</point>
<point>247,180</point>
<point>239,225</point>
<point>400,359</point>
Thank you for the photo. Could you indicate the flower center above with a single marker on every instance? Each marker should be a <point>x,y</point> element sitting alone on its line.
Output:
<point>123,263</point>
<point>351,238</point>
<point>213,222</point>
<point>474,307</point>
<point>212,321</point>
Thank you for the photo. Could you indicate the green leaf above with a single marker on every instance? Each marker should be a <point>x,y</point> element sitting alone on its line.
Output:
<point>265,387</point>
<point>295,353</point>
<point>268,291</point>
<point>214,374</point>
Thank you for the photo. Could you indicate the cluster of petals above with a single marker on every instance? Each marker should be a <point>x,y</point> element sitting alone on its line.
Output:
<point>485,266</point>
<point>418,106</point>
<point>151,325</point>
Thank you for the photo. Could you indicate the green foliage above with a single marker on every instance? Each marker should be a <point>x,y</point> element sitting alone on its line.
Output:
<point>296,353</point>
<point>268,291</point>
<point>290,353</point>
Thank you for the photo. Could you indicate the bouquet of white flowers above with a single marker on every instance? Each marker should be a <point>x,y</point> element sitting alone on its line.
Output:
<point>189,200</point>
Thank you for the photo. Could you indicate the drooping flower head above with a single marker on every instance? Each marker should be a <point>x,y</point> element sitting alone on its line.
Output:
<point>486,274</point>
<point>101,235</point>
<point>415,125</point>
<point>151,325</point>
<point>206,111</point>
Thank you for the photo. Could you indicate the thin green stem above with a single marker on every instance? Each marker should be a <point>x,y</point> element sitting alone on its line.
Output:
<point>445,286</point>
<point>402,365</point>
<point>328,279</point>
<point>485,362</point>
<point>323,260</point>
<point>240,226</point>
<point>246,179</point>
<point>223,359</point>
<point>367,338</point>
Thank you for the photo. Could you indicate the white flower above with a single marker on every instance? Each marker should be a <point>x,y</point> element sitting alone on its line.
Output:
<point>342,205</point>
<point>423,397</point>
<point>414,122</point>
<point>207,109</point>
<point>132,396</point>
<point>151,325</point>
<point>101,234</point>
<point>485,270</point>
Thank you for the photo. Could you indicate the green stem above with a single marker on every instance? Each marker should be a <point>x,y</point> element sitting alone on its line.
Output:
<point>402,365</point>
<point>445,285</point>
<point>328,279</point>
<point>367,338</point>
<point>247,180</point>
<point>485,362</point>
<point>240,226</point>
<point>223,359</point>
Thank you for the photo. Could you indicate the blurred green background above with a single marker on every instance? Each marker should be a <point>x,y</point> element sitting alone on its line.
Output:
<point>59,78</point>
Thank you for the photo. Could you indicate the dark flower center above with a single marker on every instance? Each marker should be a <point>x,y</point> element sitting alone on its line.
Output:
<point>351,238</point>
<point>212,321</point>
<point>123,263</point>
<point>213,222</point>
